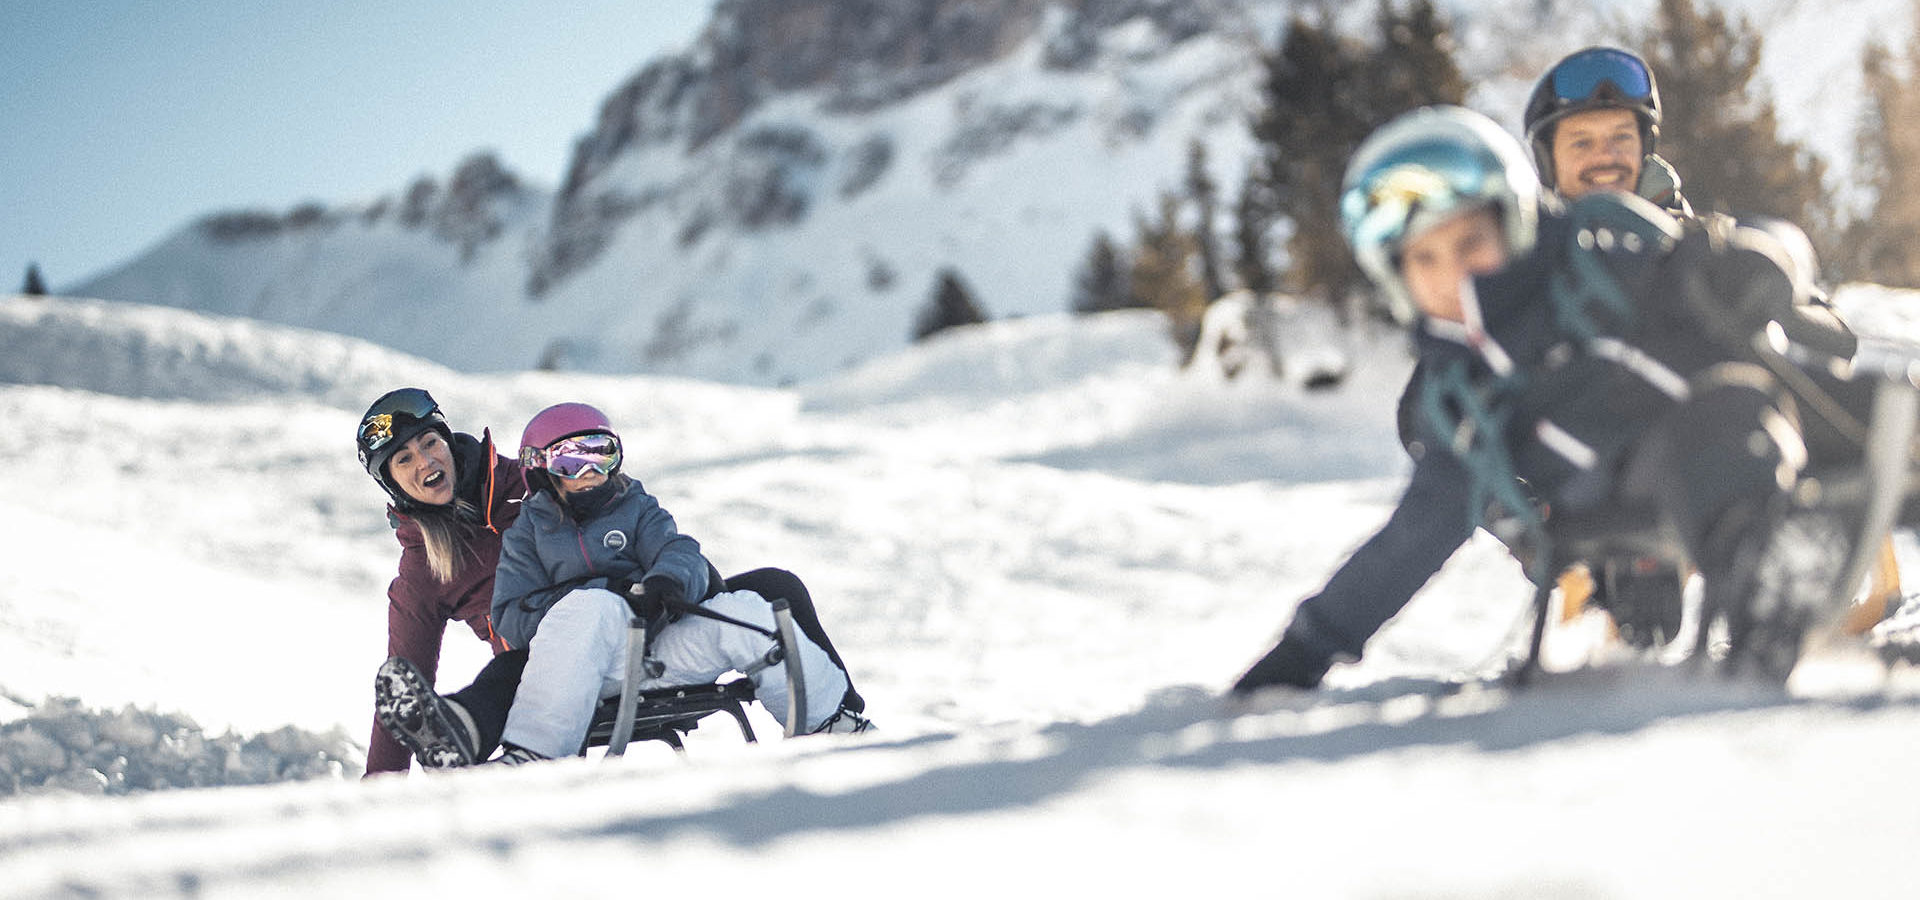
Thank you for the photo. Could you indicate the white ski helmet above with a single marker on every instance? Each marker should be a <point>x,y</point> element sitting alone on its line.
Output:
<point>1421,169</point>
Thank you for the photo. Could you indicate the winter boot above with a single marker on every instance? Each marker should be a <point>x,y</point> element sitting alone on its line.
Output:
<point>1645,598</point>
<point>440,734</point>
<point>845,720</point>
<point>1784,587</point>
<point>1290,663</point>
<point>516,755</point>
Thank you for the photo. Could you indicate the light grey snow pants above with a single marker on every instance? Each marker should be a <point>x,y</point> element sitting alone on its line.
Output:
<point>579,655</point>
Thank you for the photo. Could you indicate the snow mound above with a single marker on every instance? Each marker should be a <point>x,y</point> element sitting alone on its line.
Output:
<point>161,353</point>
<point>988,363</point>
<point>63,746</point>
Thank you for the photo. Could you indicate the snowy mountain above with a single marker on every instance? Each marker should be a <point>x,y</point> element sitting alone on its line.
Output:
<point>776,203</point>
<point>1041,548</point>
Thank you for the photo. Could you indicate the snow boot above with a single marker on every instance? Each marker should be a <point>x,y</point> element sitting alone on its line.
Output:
<point>1289,663</point>
<point>845,720</point>
<point>1644,596</point>
<point>1786,587</point>
<point>439,733</point>
<point>516,755</point>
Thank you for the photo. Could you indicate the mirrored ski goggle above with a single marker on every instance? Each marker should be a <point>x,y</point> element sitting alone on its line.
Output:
<point>397,409</point>
<point>1583,75</point>
<point>575,456</point>
<point>1413,190</point>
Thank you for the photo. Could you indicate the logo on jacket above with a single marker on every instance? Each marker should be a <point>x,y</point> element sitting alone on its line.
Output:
<point>614,540</point>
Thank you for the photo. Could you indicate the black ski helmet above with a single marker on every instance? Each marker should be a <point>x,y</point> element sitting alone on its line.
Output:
<point>393,420</point>
<point>1594,78</point>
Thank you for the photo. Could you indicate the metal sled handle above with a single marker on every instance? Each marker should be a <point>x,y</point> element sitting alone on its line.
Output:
<point>796,680</point>
<point>630,690</point>
<point>1896,407</point>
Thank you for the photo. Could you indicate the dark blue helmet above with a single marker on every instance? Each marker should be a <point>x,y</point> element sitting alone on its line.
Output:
<point>1594,78</point>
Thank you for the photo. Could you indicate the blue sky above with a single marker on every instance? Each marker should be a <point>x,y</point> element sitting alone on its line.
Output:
<point>122,120</point>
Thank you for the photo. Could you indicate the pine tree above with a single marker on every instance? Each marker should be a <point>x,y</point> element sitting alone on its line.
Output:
<point>1883,245</point>
<point>1324,94</point>
<point>1253,215</point>
<point>1721,134</point>
<point>1413,65</point>
<point>1102,283</point>
<point>1311,124</point>
<point>1205,194</point>
<point>1164,276</point>
<point>952,305</point>
<point>35,286</point>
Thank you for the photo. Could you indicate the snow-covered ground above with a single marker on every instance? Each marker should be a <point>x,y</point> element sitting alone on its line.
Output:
<point>1044,553</point>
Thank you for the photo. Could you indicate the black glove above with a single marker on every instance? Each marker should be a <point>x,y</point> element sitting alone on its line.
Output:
<point>664,589</point>
<point>1733,283</point>
<point>1290,663</point>
<point>655,600</point>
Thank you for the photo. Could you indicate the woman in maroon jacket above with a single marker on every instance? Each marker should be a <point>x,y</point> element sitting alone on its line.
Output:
<point>452,496</point>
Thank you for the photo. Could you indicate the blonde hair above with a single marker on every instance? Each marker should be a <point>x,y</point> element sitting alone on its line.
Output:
<point>447,535</point>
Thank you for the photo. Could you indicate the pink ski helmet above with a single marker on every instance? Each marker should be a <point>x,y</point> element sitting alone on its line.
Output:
<point>557,423</point>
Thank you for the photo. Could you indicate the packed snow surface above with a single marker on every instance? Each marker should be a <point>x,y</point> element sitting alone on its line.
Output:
<point>1043,550</point>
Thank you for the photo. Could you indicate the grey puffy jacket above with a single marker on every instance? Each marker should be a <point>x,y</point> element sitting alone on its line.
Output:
<point>631,539</point>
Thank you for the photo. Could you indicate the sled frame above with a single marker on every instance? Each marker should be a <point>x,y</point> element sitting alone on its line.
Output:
<point>666,714</point>
<point>1612,532</point>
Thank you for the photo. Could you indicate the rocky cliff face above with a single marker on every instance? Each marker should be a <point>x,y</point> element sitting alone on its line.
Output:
<point>774,203</point>
<point>474,208</point>
<point>856,56</point>
<point>779,201</point>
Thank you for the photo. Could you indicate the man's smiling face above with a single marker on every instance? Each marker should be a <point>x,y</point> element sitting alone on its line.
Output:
<point>1597,150</point>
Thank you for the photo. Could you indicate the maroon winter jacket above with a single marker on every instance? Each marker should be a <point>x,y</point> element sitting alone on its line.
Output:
<point>419,606</point>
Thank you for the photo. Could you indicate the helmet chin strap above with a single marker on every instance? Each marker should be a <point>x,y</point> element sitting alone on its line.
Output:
<point>1476,325</point>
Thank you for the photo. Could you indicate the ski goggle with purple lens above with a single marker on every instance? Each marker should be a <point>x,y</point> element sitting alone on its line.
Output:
<point>1583,75</point>
<point>575,456</point>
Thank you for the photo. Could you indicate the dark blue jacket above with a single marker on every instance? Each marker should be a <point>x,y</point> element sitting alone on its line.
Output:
<point>1584,346</point>
<point>547,552</point>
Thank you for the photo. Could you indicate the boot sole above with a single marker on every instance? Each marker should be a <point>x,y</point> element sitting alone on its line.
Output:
<point>407,707</point>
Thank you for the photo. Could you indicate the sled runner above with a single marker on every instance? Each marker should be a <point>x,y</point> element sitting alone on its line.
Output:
<point>667,714</point>
<point>1616,533</point>
<point>463,728</point>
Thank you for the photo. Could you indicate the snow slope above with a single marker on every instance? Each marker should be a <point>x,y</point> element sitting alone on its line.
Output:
<point>1043,552</point>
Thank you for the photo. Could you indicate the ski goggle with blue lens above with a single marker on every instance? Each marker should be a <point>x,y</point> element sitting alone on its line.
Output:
<point>1411,191</point>
<point>396,409</point>
<point>1583,75</point>
<point>575,456</point>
